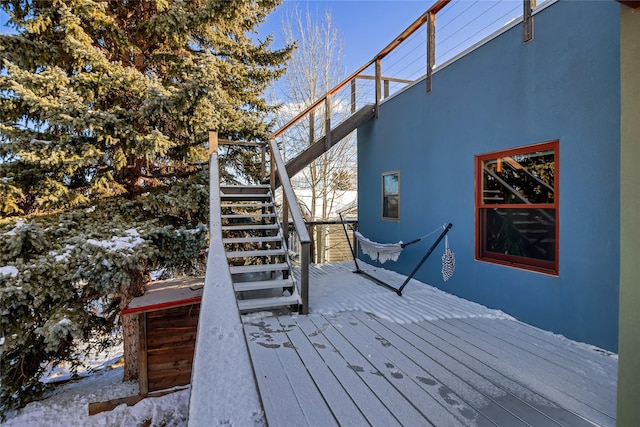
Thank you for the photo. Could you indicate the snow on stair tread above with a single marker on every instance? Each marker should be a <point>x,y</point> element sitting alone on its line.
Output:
<point>251,215</point>
<point>263,284</point>
<point>245,196</point>
<point>248,205</point>
<point>229,240</point>
<point>245,254</point>
<point>265,303</point>
<point>246,187</point>
<point>258,268</point>
<point>250,227</point>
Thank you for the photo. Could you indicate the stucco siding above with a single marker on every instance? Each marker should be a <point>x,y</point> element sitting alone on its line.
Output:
<point>563,85</point>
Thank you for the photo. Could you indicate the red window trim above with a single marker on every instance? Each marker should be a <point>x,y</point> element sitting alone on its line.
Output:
<point>512,260</point>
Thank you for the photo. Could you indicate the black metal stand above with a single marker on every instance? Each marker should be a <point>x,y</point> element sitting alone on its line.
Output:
<point>415,270</point>
<point>424,258</point>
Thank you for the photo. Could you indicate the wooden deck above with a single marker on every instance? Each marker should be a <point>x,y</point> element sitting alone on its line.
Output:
<point>441,362</point>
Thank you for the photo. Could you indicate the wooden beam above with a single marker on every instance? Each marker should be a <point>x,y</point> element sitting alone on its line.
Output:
<point>298,163</point>
<point>98,407</point>
<point>245,143</point>
<point>390,79</point>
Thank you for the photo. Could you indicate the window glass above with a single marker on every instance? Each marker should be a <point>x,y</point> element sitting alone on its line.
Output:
<point>391,195</point>
<point>517,207</point>
<point>524,178</point>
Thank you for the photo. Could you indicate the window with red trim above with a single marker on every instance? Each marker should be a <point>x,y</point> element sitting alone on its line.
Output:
<point>517,207</point>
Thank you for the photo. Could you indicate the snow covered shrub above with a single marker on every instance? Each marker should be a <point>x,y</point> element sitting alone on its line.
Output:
<point>65,278</point>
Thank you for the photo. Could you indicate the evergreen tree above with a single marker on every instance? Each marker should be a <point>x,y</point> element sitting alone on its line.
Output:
<point>104,112</point>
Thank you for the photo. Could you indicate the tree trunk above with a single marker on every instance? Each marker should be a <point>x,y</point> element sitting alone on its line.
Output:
<point>130,341</point>
<point>129,322</point>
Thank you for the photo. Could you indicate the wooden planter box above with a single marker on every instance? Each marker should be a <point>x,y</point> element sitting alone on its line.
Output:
<point>166,328</point>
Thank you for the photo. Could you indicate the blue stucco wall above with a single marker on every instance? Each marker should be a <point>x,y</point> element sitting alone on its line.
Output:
<point>563,85</point>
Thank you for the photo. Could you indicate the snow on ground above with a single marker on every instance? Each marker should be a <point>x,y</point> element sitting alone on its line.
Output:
<point>68,404</point>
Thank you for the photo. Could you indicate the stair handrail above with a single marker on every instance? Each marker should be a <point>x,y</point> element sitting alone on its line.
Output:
<point>290,203</point>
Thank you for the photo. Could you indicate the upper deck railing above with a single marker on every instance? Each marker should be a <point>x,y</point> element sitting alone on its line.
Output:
<point>409,58</point>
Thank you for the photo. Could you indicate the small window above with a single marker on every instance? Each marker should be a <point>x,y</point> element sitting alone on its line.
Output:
<point>391,195</point>
<point>517,207</point>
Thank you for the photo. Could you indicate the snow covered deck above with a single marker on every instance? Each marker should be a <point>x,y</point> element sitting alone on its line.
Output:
<point>368,357</point>
<point>365,356</point>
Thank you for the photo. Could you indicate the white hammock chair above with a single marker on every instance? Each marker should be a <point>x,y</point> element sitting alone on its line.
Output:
<point>380,252</point>
<point>383,252</point>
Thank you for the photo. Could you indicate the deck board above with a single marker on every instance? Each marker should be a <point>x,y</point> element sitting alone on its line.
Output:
<point>471,358</point>
<point>600,369</point>
<point>451,381</point>
<point>534,376</point>
<point>344,409</point>
<point>270,376</point>
<point>383,386</point>
<point>303,386</point>
<point>435,361</point>
<point>565,379</point>
<point>364,397</point>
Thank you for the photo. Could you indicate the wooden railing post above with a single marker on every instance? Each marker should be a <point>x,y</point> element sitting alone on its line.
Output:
<point>527,20</point>
<point>312,127</point>
<point>353,96</point>
<point>327,122</point>
<point>213,142</point>
<point>431,47</point>
<point>378,83</point>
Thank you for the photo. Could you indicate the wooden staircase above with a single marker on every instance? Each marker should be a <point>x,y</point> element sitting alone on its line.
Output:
<point>256,250</point>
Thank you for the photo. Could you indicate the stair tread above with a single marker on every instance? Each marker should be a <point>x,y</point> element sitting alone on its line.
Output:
<point>248,205</point>
<point>258,268</point>
<point>263,284</point>
<point>238,269</point>
<point>245,196</point>
<point>264,303</point>
<point>260,186</point>
<point>230,227</point>
<point>248,215</point>
<point>263,252</point>
<point>229,240</point>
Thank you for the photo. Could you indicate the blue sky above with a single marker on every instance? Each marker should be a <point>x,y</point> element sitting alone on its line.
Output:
<point>366,26</point>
